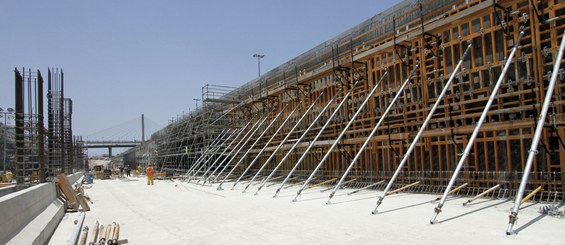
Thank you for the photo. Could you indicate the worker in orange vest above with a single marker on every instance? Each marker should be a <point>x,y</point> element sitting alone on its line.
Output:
<point>149,171</point>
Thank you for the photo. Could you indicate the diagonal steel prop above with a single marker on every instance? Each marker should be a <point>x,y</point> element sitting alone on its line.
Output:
<point>265,146</point>
<point>342,134</point>
<point>241,144</point>
<point>283,142</point>
<point>251,147</point>
<point>535,141</point>
<point>368,140</point>
<point>197,162</point>
<point>234,139</point>
<point>191,172</point>
<point>315,138</point>
<point>465,153</point>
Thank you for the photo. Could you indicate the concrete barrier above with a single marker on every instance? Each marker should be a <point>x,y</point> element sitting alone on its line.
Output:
<point>31,216</point>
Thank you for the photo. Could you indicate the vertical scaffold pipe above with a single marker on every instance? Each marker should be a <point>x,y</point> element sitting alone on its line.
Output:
<point>241,145</point>
<point>283,141</point>
<point>535,141</point>
<point>194,165</point>
<point>231,150</point>
<point>197,166</point>
<point>265,146</point>
<point>252,146</point>
<point>295,143</point>
<point>369,96</point>
<point>465,153</point>
<point>422,128</point>
<point>216,146</point>
<point>231,140</point>
<point>315,138</point>
<point>368,140</point>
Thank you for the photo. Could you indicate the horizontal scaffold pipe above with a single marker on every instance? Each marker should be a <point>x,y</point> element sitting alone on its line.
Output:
<point>307,112</point>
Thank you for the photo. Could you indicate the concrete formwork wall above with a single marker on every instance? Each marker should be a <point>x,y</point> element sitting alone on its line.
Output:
<point>432,34</point>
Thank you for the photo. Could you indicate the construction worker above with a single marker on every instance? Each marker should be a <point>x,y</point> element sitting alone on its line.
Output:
<point>149,171</point>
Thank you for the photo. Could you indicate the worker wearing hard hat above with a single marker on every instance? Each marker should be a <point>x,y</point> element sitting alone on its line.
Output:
<point>149,170</point>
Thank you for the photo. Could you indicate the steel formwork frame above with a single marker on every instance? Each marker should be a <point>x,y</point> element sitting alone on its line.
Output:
<point>434,34</point>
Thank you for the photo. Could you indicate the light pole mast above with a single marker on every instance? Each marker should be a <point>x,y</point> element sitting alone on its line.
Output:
<point>259,56</point>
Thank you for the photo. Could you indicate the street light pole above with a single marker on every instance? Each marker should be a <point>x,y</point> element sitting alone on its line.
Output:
<point>259,56</point>
<point>10,111</point>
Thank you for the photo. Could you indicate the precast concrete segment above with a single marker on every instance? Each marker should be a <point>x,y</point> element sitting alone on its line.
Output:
<point>346,128</point>
<point>535,141</point>
<point>216,146</point>
<point>236,139</point>
<point>283,141</point>
<point>425,124</point>
<point>316,138</point>
<point>230,140</point>
<point>465,153</point>
<point>265,146</point>
<point>361,151</point>
<point>239,146</point>
<point>252,146</point>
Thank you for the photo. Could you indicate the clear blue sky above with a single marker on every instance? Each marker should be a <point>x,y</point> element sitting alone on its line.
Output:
<point>124,58</point>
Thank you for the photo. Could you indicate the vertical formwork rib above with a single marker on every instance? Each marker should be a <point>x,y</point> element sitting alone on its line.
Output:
<point>535,141</point>
<point>283,141</point>
<point>347,127</point>
<point>252,145</point>
<point>265,146</point>
<point>465,153</point>
<point>316,138</point>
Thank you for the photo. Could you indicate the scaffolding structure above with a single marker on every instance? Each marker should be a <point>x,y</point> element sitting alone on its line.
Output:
<point>408,131</point>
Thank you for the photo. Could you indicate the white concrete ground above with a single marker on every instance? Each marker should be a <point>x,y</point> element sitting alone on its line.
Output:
<point>184,213</point>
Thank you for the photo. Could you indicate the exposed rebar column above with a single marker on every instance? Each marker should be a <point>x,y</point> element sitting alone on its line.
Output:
<point>535,141</point>
<point>465,153</point>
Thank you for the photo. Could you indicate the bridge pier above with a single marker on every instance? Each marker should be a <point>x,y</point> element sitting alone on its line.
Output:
<point>109,151</point>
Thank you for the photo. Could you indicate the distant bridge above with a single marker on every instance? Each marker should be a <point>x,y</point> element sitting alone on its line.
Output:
<point>124,135</point>
<point>111,144</point>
